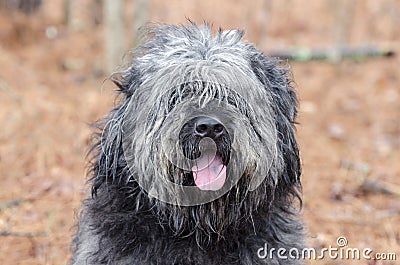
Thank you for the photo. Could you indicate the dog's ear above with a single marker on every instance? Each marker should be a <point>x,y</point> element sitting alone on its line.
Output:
<point>108,164</point>
<point>277,81</point>
<point>107,153</point>
<point>128,79</point>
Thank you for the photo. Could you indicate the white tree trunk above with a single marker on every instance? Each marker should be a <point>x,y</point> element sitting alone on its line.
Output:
<point>139,19</point>
<point>114,33</point>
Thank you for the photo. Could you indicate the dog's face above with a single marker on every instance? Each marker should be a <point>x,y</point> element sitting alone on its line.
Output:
<point>205,122</point>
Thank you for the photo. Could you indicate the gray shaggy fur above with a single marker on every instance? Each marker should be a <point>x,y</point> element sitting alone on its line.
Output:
<point>178,73</point>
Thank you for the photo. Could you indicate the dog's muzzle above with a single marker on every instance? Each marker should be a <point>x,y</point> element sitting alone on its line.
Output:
<point>208,168</point>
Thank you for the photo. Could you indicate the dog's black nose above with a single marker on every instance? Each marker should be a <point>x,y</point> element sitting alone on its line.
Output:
<point>208,127</point>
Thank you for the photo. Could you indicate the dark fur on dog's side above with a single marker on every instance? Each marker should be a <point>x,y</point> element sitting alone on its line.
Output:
<point>121,224</point>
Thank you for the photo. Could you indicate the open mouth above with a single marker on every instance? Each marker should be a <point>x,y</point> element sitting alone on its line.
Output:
<point>209,172</point>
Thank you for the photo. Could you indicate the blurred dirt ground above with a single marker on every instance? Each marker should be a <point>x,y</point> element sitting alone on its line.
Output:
<point>51,87</point>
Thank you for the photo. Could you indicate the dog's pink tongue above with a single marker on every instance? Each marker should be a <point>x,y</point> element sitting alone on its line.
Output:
<point>209,173</point>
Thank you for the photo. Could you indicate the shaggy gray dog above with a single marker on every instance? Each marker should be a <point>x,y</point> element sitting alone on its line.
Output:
<point>197,163</point>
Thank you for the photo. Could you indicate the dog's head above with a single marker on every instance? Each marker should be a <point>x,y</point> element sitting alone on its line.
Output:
<point>204,122</point>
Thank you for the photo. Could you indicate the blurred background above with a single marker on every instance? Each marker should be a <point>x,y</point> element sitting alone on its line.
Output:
<point>54,59</point>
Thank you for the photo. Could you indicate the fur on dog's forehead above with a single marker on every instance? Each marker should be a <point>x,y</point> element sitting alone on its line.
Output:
<point>170,44</point>
<point>175,55</point>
